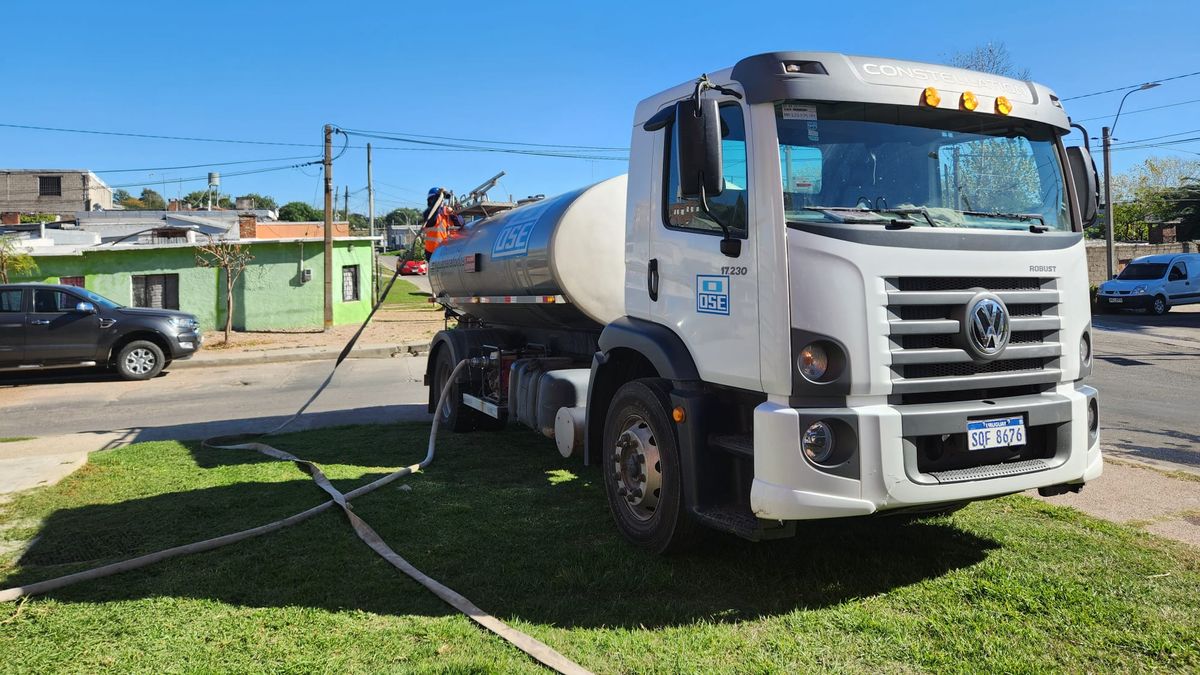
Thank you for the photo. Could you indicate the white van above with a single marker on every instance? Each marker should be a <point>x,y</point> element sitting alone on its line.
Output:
<point>1153,282</point>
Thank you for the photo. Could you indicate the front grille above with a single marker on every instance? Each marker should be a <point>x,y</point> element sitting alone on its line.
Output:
<point>924,318</point>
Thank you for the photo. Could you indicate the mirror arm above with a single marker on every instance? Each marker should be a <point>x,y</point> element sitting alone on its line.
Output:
<point>729,246</point>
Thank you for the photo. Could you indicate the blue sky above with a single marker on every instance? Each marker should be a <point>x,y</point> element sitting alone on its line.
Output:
<point>544,72</point>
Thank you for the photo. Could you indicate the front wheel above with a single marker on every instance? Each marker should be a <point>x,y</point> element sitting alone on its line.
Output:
<point>643,474</point>
<point>1160,306</point>
<point>140,360</point>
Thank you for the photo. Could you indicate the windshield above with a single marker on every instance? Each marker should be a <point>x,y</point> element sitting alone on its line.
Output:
<point>861,162</point>
<point>1143,271</point>
<point>97,299</point>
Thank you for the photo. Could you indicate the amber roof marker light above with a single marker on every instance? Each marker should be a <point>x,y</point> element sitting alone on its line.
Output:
<point>969,101</point>
<point>930,97</point>
<point>1003,105</point>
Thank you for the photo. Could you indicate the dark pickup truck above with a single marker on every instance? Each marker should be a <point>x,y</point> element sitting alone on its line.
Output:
<point>53,326</point>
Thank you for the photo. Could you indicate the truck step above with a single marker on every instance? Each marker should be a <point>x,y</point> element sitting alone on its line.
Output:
<point>740,521</point>
<point>738,444</point>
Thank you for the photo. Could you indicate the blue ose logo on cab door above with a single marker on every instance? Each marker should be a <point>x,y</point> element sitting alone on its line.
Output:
<point>712,294</point>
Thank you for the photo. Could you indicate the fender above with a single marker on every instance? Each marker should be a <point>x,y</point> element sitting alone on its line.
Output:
<point>661,348</point>
<point>659,344</point>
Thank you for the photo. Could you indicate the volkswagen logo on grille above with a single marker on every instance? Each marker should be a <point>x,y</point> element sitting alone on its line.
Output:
<point>987,327</point>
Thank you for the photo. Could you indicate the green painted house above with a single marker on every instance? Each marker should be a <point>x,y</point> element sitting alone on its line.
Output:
<point>281,289</point>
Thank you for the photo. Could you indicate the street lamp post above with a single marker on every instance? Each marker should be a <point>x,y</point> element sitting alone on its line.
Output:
<point>1107,135</point>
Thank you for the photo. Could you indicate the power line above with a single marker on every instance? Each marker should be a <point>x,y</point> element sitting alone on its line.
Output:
<point>477,148</point>
<point>1132,86</point>
<point>1140,110</point>
<point>1155,138</point>
<point>197,166</point>
<point>476,140</point>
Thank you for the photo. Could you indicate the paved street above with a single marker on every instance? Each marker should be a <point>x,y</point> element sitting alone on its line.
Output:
<point>202,402</point>
<point>1148,372</point>
<point>1147,369</point>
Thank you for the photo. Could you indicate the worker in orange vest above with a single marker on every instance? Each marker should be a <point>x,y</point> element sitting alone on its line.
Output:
<point>441,223</point>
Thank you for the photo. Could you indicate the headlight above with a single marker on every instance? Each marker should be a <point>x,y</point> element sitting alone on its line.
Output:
<point>183,322</point>
<point>813,362</point>
<point>1140,290</point>
<point>1085,350</point>
<point>818,442</point>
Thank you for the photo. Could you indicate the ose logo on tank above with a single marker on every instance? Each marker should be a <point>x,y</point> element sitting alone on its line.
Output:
<point>712,294</point>
<point>513,239</point>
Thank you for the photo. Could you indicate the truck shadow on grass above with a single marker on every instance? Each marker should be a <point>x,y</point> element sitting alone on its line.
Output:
<point>498,517</point>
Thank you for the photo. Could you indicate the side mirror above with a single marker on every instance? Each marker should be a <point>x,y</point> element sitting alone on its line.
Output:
<point>699,139</point>
<point>1083,175</point>
<point>85,308</point>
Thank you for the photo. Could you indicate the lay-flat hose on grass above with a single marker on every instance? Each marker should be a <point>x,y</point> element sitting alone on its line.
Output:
<point>531,646</point>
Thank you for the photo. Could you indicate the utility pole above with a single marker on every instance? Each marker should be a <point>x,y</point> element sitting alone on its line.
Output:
<point>1107,135</point>
<point>328,166</point>
<point>371,225</point>
<point>1109,244</point>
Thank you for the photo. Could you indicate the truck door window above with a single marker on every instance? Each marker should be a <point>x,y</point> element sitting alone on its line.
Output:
<point>731,205</point>
<point>10,301</point>
<point>1178,272</point>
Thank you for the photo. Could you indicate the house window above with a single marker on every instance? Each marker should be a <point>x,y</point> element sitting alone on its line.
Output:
<point>49,186</point>
<point>77,282</point>
<point>350,283</point>
<point>160,291</point>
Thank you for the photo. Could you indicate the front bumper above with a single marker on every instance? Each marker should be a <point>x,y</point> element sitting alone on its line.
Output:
<point>1124,301</point>
<point>185,345</point>
<point>887,470</point>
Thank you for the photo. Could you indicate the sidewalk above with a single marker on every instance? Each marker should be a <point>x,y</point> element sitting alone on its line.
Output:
<point>250,356</point>
<point>1140,497</point>
<point>46,460</point>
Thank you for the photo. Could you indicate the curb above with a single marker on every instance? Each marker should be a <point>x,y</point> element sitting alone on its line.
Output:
<point>291,355</point>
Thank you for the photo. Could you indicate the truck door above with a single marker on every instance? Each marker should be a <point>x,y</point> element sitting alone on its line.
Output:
<point>709,299</point>
<point>12,327</point>
<point>1179,285</point>
<point>56,332</point>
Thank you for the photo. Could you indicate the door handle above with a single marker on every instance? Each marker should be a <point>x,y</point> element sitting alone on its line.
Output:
<point>40,322</point>
<point>652,279</point>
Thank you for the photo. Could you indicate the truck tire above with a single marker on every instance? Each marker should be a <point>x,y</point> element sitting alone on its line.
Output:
<point>140,360</point>
<point>643,475</point>
<point>453,415</point>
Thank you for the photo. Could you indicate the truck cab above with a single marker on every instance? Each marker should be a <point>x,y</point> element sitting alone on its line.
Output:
<point>851,286</point>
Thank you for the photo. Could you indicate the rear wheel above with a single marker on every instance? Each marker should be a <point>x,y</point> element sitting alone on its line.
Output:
<point>643,475</point>
<point>452,415</point>
<point>140,360</point>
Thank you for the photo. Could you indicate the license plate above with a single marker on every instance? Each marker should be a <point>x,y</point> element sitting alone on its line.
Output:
<point>1116,301</point>
<point>1002,432</point>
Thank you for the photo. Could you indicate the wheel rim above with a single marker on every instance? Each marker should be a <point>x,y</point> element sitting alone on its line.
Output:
<point>140,361</point>
<point>637,469</point>
<point>1159,305</point>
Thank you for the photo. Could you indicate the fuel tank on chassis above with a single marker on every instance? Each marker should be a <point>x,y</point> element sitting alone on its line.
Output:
<point>571,246</point>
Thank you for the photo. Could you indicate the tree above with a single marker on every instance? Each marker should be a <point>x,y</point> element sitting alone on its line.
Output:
<point>120,196</point>
<point>198,199</point>
<point>262,201</point>
<point>992,57</point>
<point>1158,189</point>
<point>232,258</point>
<point>13,260</point>
<point>299,212</point>
<point>152,201</point>
<point>402,216</point>
<point>360,223</point>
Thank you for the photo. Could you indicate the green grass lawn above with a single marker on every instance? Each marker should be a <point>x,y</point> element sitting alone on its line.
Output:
<point>1010,585</point>
<point>15,439</point>
<point>406,295</point>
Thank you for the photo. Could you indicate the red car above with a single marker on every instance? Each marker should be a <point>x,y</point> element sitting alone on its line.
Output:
<point>415,267</point>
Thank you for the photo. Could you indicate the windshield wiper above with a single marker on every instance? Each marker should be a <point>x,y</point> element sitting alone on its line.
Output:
<point>1024,217</point>
<point>853,215</point>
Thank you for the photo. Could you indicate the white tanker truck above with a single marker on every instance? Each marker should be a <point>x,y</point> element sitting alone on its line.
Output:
<point>828,286</point>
